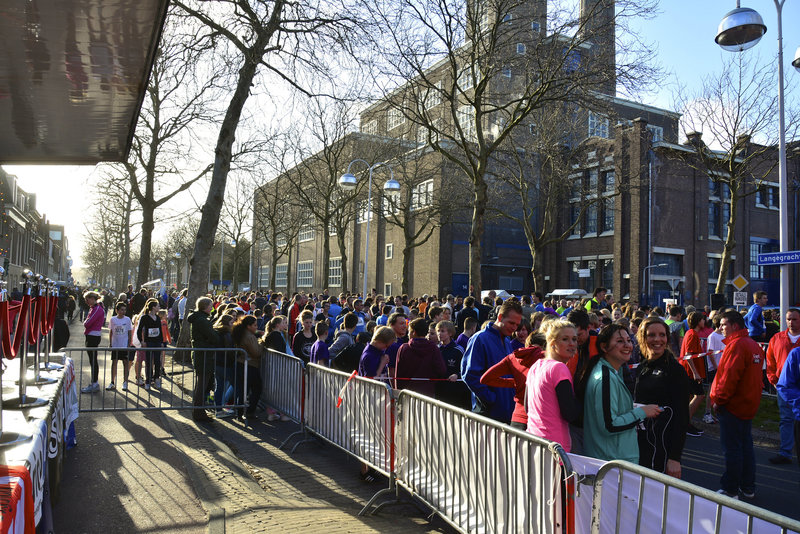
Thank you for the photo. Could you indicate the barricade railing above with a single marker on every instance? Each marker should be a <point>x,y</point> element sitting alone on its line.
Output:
<point>362,424</point>
<point>477,474</point>
<point>222,371</point>
<point>283,387</point>
<point>631,498</point>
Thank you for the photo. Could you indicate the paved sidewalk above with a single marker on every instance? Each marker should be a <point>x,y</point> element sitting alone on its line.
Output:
<point>162,472</point>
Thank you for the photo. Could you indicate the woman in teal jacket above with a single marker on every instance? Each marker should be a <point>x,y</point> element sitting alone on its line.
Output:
<point>610,419</point>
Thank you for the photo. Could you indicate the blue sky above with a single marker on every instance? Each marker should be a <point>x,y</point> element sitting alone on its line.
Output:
<point>684,33</point>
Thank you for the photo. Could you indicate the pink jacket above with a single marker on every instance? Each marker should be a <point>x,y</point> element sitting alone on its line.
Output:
<point>94,321</point>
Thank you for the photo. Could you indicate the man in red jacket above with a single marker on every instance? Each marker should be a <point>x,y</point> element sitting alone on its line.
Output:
<point>780,346</point>
<point>736,394</point>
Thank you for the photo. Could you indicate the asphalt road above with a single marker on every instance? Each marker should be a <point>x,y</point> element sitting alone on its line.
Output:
<point>777,486</point>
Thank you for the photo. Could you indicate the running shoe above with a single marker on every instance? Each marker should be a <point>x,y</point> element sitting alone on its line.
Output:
<point>147,386</point>
<point>110,387</point>
<point>91,388</point>
<point>731,495</point>
<point>140,382</point>
<point>747,494</point>
<point>693,431</point>
<point>125,386</point>
<point>709,419</point>
<point>157,383</point>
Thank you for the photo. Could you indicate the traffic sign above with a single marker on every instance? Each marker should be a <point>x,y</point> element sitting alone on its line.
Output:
<point>779,258</point>
<point>740,298</point>
<point>740,282</point>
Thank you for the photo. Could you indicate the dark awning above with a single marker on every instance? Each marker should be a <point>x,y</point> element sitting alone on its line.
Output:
<point>73,75</point>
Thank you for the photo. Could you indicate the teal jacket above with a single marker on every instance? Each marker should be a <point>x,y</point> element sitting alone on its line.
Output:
<point>609,420</point>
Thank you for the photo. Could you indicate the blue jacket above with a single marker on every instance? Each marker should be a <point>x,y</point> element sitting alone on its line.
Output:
<point>789,382</point>
<point>754,320</point>
<point>484,350</point>
<point>609,418</point>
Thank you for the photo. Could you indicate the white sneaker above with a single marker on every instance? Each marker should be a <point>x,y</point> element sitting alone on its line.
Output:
<point>157,383</point>
<point>91,388</point>
<point>140,382</point>
<point>110,387</point>
<point>709,419</point>
<point>125,386</point>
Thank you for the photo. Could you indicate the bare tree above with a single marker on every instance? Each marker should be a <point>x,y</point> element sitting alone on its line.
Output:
<point>236,221</point>
<point>471,73</point>
<point>738,109</point>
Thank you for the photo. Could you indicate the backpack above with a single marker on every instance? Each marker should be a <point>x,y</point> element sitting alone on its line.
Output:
<point>348,360</point>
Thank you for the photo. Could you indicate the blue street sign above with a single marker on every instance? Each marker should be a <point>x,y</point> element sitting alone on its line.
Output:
<point>779,258</point>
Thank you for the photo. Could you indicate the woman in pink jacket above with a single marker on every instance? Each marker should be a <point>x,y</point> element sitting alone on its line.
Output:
<point>92,327</point>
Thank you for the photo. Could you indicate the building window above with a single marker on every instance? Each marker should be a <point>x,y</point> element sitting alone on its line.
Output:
<point>510,283</point>
<point>656,132</point>
<point>507,18</point>
<point>281,241</point>
<point>465,80</point>
<point>521,48</point>
<point>387,289</point>
<point>280,274</point>
<point>305,273</point>
<point>394,119</point>
<point>507,72</point>
<point>423,131</point>
<point>535,26</point>
<point>574,280</point>
<point>591,219</point>
<point>609,181</point>
<point>422,195</point>
<point>674,263</point>
<point>433,96</point>
<point>592,182</point>
<point>363,213</point>
<point>608,274</point>
<point>371,127</point>
<point>598,125</point>
<point>767,196</point>
<point>713,269</point>
<point>332,229</point>
<point>762,246</point>
<point>714,229</point>
<point>389,251</point>
<point>335,272</point>
<point>263,277</point>
<point>306,233</point>
<point>575,211</point>
<point>608,215</point>
<point>466,120</point>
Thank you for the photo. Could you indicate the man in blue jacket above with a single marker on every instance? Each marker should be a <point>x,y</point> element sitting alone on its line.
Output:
<point>754,320</point>
<point>789,389</point>
<point>484,350</point>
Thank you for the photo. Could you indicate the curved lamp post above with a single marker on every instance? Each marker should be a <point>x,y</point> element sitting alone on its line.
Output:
<point>649,281</point>
<point>349,181</point>
<point>739,30</point>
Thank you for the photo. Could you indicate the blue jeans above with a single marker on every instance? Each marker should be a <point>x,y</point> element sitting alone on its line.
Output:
<point>786,427</point>
<point>226,376</point>
<point>737,446</point>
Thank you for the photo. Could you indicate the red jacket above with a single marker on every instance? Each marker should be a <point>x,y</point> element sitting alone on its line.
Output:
<point>779,348</point>
<point>517,364</point>
<point>737,385</point>
<point>294,313</point>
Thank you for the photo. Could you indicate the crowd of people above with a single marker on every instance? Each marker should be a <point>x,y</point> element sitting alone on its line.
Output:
<point>603,379</point>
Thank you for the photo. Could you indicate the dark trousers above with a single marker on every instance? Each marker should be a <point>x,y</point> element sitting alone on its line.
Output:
<point>204,379</point>
<point>737,446</point>
<point>93,341</point>
<point>152,363</point>
<point>253,387</point>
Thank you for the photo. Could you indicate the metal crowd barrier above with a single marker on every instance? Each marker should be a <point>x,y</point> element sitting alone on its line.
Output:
<point>284,380</point>
<point>362,426</point>
<point>640,500</point>
<point>176,388</point>
<point>477,474</point>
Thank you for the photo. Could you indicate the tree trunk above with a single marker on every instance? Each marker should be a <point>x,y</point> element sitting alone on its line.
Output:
<point>148,223</point>
<point>475,236</point>
<point>343,250</point>
<point>730,243</point>
<point>326,255</point>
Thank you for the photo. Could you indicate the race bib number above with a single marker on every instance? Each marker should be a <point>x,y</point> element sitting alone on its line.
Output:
<point>153,332</point>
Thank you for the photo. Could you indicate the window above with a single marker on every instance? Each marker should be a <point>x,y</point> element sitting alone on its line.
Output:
<point>422,195</point>
<point>608,274</point>
<point>466,120</point>
<point>609,181</point>
<point>506,72</point>
<point>535,26</point>
<point>598,125</point>
<point>394,119</point>
<point>532,128</point>
<point>574,280</point>
<point>332,228</point>
<point>575,211</point>
<point>674,264</point>
<point>592,187</point>
<point>263,276</point>
<point>762,246</point>
<point>767,196</point>
<point>465,79</point>
<point>423,131</point>
<point>370,127</point>
<point>306,233</point>
<point>656,132</point>
<point>335,272</point>
<point>281,241</point>
<point>521,48</point>
<point>362,213</point>
<point>510,283</point>
<point>389,251</point>
<point>280,274</point>
<point>714,227</point>
<point>591,219</point>
<point>714,265</point>
<point>305,273</point>
<point>433,96</point>
<point>387,289</point>
<point>608,215</point>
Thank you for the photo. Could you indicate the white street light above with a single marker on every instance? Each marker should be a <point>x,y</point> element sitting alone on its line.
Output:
<point>739,30</point>
<point>349,181</point>
<point>649,280</point>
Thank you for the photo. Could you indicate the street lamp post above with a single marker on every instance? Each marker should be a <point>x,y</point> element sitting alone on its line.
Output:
<point>739,30</point>
<point>649,280</point>
<point>349,181</point>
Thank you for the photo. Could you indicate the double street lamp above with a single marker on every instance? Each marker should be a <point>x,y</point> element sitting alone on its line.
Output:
<point>739,30</point>
<point>349,181</point>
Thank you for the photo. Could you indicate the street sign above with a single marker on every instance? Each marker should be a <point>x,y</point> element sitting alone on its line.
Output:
<point>779,258</point>
<point>740,298</point>
<point>740,282</point>
<point>584,273</point>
